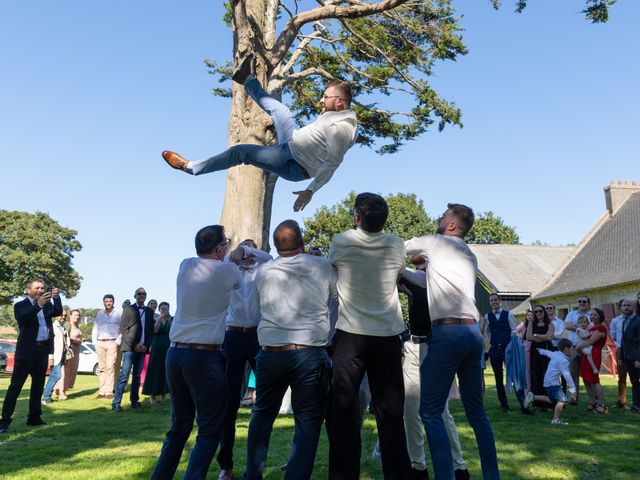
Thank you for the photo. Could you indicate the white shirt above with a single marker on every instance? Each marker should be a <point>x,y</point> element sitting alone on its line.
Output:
<point>451,275</point>
<point>106,326</point>
<point>320,146</point>
<point>511,319</point>
<point>368,268</point>
<point>615,330</point>
<point>43,331</point>
<point>558,330</point>
<point>572,319</point>
<point>243,307</point>
<point>293,293</point>
<point>204,289</point>
<point>558,365</point>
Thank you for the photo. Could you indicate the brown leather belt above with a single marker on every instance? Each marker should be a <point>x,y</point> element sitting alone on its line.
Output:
<point>231,328</point>
<point>287,348</point>
<point>197,346</point>
<point>453,321</point>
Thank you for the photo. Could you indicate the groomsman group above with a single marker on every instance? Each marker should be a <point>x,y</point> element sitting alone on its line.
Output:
<point>242,306</point>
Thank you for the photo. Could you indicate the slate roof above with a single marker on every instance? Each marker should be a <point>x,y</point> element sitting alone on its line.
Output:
<point>522,269</point>
<point>610,256</point>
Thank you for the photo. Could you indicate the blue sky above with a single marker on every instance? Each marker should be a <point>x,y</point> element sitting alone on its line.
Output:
<point>92,92</point>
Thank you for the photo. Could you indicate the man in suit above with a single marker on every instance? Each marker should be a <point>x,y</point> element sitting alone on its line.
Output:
<point>136,328</point>
<point>35,344</point>
<point>631,348</point>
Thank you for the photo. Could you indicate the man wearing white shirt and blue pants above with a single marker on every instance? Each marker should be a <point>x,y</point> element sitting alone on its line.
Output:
<point>315,150</point>
<point>293,292</point>
<point>195,364</point>
<point>456,342</point>
<point>240,343</point>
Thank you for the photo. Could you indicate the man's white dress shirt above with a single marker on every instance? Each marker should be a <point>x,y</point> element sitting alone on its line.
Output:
<point>451,275</point>
<point>369,265</point>
<point>204,289</point>
<point>293,293</point>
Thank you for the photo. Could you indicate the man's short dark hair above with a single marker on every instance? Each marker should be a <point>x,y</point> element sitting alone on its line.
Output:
<point>208,238</point>
<point>287,236</point>
<point>373,211</point>
<point>108,295</point>
<point>464,215</point>
<point>564,343</point>
<point>494,294</point>
<point>344,88</point>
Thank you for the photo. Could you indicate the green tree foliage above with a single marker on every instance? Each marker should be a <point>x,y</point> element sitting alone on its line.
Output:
<point>489,228</point>
<point>35,245</point>
<point>6,317</point>
<point>383,49</point>
<point>407,218</point>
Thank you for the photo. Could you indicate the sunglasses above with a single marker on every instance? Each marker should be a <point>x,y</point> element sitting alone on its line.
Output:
<point>538,311</point>
<point>583,301</point>
<point>141,293</point>
<point>549,308</point>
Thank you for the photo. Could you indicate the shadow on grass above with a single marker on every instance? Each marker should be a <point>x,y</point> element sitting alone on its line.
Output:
<point>84,439</point>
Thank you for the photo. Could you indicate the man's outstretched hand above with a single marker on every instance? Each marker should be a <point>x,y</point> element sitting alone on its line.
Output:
<point>304,197</point>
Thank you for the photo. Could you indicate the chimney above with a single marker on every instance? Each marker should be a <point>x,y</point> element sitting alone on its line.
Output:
<point>616,194</point>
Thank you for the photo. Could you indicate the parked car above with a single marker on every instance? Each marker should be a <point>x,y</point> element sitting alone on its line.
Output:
<point>88,359</point>
<point>3,362</point>
<point>8,347</point>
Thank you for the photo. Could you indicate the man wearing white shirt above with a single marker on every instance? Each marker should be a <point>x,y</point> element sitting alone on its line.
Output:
<point>367,339</point>
<point>195,364</point>
<point>104,334</point>
<point>315,150</point>
<point>456,342</point>
<point>240,343</point>
<point>293,292</point>
<point>616,335</point>
<point>570,324</point>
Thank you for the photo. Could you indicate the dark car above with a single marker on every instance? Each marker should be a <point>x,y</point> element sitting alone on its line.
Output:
<point>8,348</point>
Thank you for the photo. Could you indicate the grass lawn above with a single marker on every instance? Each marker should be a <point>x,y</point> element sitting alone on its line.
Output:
<point>85,440</point>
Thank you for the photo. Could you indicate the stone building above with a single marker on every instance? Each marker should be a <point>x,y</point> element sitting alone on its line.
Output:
<point>605,266</point>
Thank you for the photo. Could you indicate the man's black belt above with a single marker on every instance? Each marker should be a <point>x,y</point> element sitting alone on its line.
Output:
<point>197,346</point>
<point>453,321</point>
<point>42,342</point>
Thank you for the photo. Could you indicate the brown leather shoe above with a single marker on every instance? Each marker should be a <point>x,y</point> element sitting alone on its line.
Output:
<point>175,160</point>
<point>244,70</point>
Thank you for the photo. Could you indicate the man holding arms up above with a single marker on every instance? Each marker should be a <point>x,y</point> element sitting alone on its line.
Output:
<point>195,365</point>
<point>293,291</point>
<point>456,342</point>
<point>367,339</point>
<point>35,345</point>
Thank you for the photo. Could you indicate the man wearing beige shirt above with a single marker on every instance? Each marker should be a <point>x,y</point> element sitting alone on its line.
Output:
<point>367,339</point>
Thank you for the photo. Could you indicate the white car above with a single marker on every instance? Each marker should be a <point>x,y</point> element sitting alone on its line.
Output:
<point>88,359</point>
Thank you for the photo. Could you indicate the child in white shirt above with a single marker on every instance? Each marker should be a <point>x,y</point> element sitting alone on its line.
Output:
<point>558,366</point>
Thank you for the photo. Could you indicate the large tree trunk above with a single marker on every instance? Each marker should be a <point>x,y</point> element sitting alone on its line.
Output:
<point>249,192</point>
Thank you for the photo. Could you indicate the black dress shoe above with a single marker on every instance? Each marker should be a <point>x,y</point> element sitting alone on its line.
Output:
<point>117,408</point>
<point>35,422</point>
<point>462,474</point>
<point>505,408</point>
<point>136,405</point>
<point>244,70</point>
<point>526,411</point>
<point>420,474</point>
<point>4,427</point>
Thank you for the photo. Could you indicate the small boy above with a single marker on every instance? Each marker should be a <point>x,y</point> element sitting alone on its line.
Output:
<point>558,366</point>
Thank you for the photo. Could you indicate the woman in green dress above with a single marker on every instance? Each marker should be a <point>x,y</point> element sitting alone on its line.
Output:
<point>155,383</point>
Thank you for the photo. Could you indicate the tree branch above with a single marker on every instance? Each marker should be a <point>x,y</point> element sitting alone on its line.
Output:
<point>291,29</point>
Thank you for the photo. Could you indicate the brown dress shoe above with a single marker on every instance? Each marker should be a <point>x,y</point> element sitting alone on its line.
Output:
<point>175,160</point>
<point>244,70</point>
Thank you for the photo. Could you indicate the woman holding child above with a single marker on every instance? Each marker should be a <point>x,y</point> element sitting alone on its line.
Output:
<point>596,340</point>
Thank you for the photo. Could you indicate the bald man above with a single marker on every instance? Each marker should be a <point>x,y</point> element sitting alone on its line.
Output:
<point>293,291</point>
